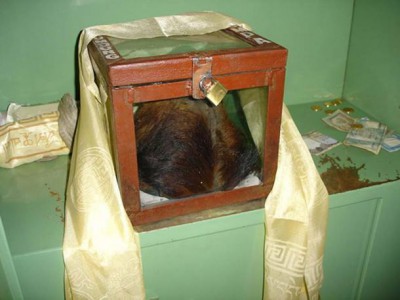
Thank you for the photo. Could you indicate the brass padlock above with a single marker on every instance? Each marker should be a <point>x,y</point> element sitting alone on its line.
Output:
<point>213,89</point>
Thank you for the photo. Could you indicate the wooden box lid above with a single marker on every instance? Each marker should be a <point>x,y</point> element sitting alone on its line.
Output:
<point>163,59</point>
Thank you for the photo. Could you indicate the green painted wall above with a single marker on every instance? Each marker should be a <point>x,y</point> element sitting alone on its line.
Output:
<point>373,71</point>
<point>38,40</point>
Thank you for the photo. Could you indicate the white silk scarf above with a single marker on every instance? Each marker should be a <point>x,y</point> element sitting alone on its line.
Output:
<point>102,250</point>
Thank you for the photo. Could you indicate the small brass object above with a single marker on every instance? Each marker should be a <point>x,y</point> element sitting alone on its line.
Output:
<point>328,104</point>
<point>356,126</point>
<point>316,107</point>
<point>329,111</point>
<point>213,89</point>
<point>337,102</point>
<point>348,110</point>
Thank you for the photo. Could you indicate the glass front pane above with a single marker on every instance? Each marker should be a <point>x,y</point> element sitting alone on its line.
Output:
<point>176,44</point>
<point>188,147</point>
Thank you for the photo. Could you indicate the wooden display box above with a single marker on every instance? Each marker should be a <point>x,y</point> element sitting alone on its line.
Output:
<point>138,71</point>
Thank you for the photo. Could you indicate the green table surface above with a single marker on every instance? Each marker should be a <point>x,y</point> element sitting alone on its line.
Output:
<point>32,205</point>
<point>345,168</point>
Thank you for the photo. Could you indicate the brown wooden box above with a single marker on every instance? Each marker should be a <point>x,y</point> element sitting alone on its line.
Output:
<point>255,62</point>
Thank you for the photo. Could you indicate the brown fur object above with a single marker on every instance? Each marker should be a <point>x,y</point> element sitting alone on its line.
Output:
<point>187,147</point>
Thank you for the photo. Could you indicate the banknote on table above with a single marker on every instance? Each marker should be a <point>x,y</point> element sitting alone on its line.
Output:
<point>339,120</point>
<point>369,136</point>
<point>391,142</point>
<point>319,143</point>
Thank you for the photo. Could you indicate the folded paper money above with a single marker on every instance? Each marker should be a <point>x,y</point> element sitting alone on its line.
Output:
<point>368,136</point>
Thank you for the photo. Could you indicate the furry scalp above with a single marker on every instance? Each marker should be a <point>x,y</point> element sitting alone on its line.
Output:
<point>186,147</point>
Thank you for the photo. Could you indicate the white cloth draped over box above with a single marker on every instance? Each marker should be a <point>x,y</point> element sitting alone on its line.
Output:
<point>101,248</point>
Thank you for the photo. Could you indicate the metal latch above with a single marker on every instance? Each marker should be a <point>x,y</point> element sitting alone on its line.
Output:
<point>204,84</point>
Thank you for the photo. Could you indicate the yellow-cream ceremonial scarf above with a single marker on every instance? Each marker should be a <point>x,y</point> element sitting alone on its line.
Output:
<point>102,250</point>
<point>296,214</point>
